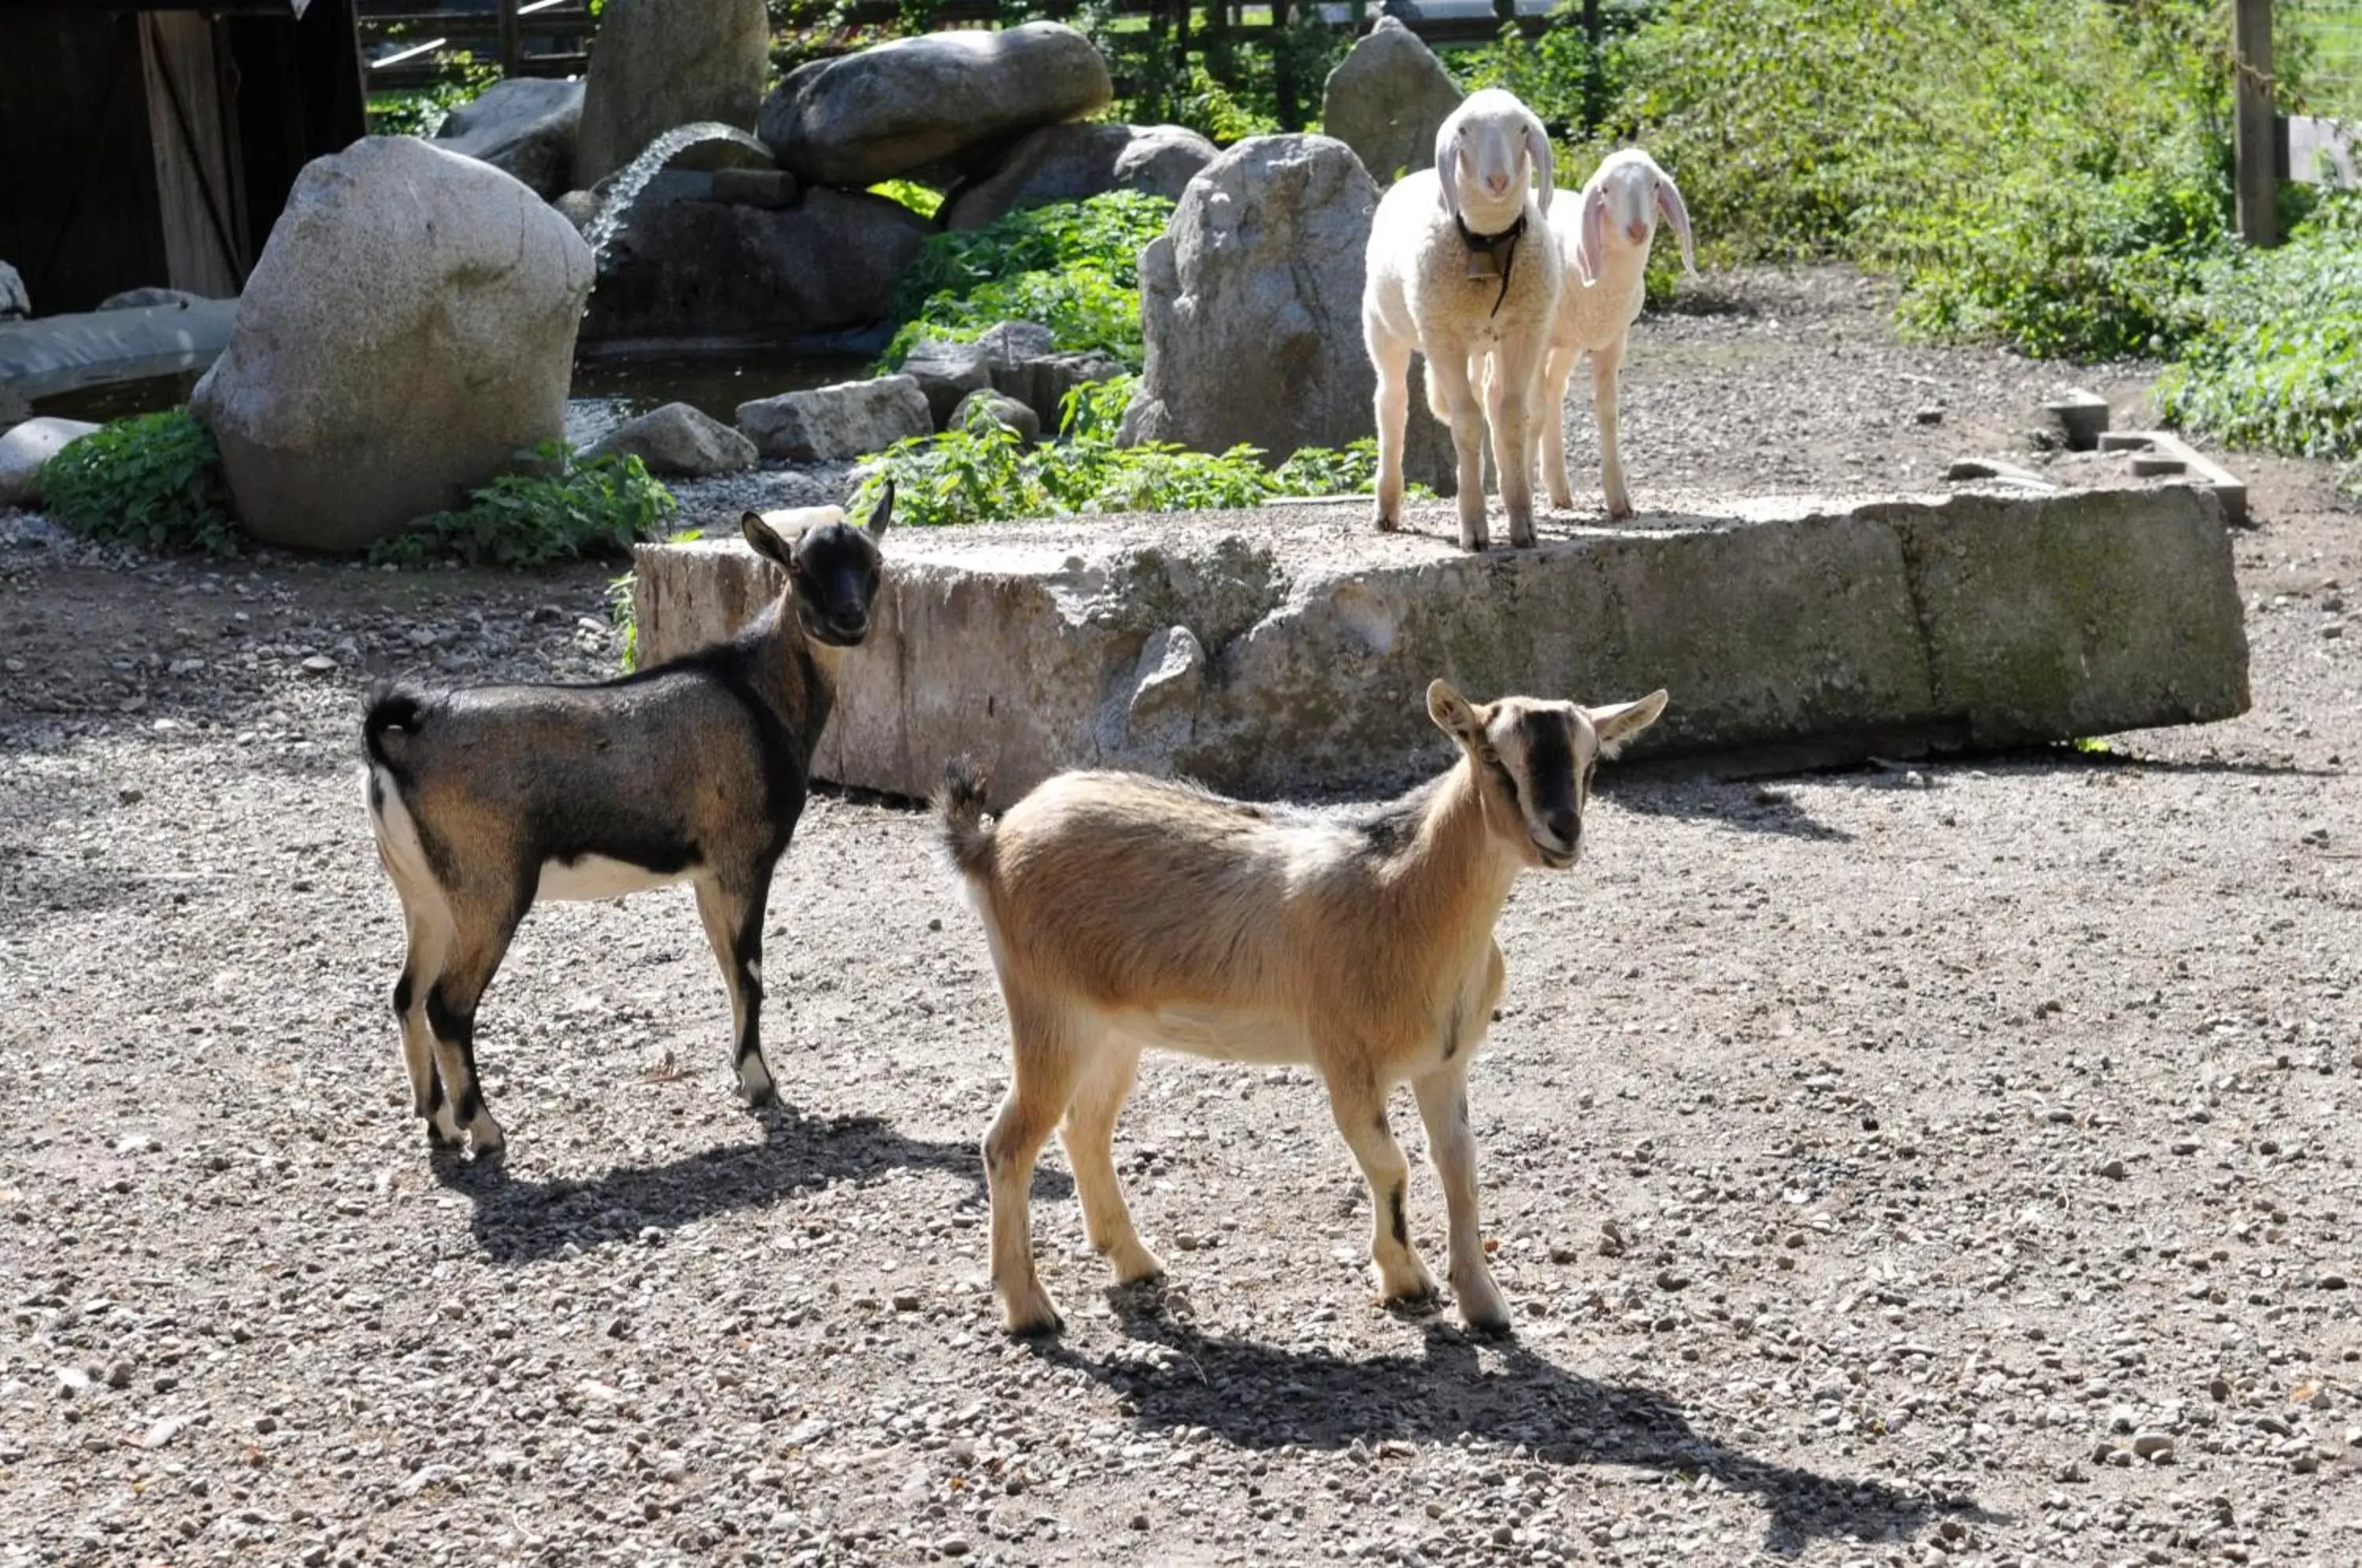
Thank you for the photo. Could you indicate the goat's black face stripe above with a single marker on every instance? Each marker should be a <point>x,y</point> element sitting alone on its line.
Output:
<point>1550,754</point>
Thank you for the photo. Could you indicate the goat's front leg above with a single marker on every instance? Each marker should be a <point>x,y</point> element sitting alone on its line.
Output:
<point>1517,373</point>
<point>1359,1107</point>
<point>1089,1134</point>
<point>1606,385</point>
<point>1390,358</point>
<point>1444,1106</point>
<point>733,912</point>
<point>1043,1069</point>
<point>1452,400</point>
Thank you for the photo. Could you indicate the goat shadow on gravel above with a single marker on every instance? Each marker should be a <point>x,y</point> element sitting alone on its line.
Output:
<point>1260,1397</point>
<point>519,1220</point>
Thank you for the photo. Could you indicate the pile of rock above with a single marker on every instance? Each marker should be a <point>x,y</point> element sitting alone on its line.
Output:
<point>701,231</point>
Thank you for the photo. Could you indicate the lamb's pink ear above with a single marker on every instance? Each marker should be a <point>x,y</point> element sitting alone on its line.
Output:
<point>1591,234</point>
<point>1537,146</point>
<point>1670,207</point>
<point>1447,169</point>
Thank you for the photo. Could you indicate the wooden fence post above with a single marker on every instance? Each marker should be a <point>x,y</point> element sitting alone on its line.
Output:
<point>2253,130</point>
<point>512,47</point>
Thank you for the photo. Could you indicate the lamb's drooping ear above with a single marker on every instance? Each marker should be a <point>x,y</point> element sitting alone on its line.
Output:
<point>880,515</point>
<point>1537,146</point>
<point>1674,211</point>
<point>1618,724</point>
<point>1591,234</point>
<point>766,539</point>
<point>1453,714</point>
<point>1447,168</point>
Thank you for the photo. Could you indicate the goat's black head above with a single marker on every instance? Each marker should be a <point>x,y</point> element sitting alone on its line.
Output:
<point>1534,761</point>
<point>832,567</point>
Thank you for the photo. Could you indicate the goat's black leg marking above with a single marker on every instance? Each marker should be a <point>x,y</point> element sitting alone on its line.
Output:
<point>734,924</point>
<point>455,1050</point>
<point>1396,1217</point>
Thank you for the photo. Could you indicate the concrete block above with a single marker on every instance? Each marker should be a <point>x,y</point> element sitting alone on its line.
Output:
<point>1284,651</point>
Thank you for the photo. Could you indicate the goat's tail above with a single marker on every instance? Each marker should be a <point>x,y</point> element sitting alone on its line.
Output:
<point>394,713</point>
<point>959,817</point>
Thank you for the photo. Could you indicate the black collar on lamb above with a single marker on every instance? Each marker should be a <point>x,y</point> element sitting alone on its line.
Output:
<point>1492,255</point>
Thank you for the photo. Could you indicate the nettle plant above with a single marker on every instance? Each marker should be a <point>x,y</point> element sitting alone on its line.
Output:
<point>559,507</point>
<point>153,480</point>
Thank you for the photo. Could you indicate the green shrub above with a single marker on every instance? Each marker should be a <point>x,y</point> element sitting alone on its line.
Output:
<point>154,480</point>
<point>564,509</point>
<point>1072,266</point>
<point>983,472</point>
<point>923,200</point>
<point>2051,173</point>
<point>421,111</point>
<point>2274,356</point>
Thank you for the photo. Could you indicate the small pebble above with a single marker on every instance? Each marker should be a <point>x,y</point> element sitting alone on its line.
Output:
<point>2152,1446</point>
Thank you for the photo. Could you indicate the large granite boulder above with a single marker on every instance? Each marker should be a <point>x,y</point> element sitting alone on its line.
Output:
<point>526,126</point>
<point>691,267</point>
<point>408,329</point>
<point>677,440</point>
<point>956,97</point>
<point>837,424</point>
<point>25,449</point>
<point>1075,163</point>
<point>1386,99</point>
<point>1251,304</point>
<point>661,63</point>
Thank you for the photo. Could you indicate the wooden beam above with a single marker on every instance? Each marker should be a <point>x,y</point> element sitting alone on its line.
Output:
<point>2252,128</point>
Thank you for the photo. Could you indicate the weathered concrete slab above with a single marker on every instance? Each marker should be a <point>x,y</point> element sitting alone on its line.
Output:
<point>1287,651</point>
<point>60,353</point>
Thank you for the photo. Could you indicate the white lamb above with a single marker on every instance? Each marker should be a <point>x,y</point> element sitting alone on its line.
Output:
<point>1460,270</point>
<point>1605,237</point>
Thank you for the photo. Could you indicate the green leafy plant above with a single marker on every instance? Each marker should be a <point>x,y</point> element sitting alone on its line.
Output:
<point>559,508</point>
<point>154,480</point>
<point>923,200</point>
<point>983,472</point>
<point>2274,357</point>
<point>1072,266</point>
<point>421,111</point>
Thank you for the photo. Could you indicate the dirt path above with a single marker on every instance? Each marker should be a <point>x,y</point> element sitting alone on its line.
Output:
<point>1867,1152</point>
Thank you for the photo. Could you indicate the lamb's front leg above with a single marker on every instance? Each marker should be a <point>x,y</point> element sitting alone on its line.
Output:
<point>1606,385</point>
<point>1516,370</point>
<point>1451,399</point>
<point>1444,1106</point>
<point>1390,358</point>
<point>1359,1107</point>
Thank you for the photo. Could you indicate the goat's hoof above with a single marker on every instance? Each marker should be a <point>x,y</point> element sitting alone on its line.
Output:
<point>759,1095</point>
<point>1413,1303</point>
<point>1486,1314</point>
<point>1041,1325</point>
<point>1136,1265</point>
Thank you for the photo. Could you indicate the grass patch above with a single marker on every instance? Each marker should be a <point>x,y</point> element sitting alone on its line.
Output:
<point>154,480</point>
<point>563,509</point>
<point>1073,267</point>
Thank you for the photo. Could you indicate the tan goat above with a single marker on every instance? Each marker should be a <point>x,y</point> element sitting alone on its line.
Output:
<point>1125,911</point>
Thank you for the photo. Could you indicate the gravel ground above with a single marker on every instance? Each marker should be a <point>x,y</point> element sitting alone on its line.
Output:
<point>1952,1162</point>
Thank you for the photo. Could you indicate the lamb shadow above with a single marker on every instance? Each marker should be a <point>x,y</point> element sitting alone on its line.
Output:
<point>518,1221</point>
<point>1259,1397</point>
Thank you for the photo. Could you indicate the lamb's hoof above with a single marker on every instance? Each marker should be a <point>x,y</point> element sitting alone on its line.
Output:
<point>1030,1317</point>
<point>1413,1303</point>
<point>1521,538</point>
<point>1388,524</point>
<point>1476,543</point>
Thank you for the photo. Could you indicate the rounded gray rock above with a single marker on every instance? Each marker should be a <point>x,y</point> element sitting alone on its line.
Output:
<point>408,329</point>
<point>1386,99</point>
<point>661,63</point>
<point>679,440</point>
<point>1001,409</point>
<point>526,126</point>
<point>915,102</point>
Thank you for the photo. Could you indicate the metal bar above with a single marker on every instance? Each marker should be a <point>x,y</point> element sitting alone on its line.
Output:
<point>508,37</point>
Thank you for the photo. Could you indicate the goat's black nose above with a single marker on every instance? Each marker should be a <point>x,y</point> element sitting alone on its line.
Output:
<point>1565,826</point>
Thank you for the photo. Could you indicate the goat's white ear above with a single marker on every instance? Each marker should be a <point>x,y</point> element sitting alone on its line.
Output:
<point>1447,169</point>
<point>1674,211</point>
<point>882,515</point>
<point>1618,724</point>
<point>1452,713</point>
<point>1591,234</point>
<point>765,538</point>
<point>1545,171</point>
